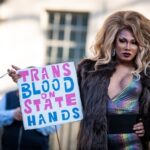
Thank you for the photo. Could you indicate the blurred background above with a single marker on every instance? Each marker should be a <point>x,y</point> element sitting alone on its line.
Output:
<point>41,32</point>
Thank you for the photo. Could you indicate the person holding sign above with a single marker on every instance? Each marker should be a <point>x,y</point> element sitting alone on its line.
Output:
<point>14,136</point>
<point>48,95</point>
<point>114,86</point>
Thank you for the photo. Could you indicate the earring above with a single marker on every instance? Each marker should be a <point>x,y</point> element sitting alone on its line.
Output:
<point>113,52</point>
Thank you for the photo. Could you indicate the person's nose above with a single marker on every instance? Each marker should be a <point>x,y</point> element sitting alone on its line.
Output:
<point>127,46</point>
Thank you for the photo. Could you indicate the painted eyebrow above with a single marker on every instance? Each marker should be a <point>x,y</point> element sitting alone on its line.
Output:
<point>124,38</point>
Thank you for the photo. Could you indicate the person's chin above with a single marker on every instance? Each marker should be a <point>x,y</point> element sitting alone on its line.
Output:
<point>126,60</point>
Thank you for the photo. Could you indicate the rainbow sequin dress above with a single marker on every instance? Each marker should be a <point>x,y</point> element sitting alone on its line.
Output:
<point>125,103</point>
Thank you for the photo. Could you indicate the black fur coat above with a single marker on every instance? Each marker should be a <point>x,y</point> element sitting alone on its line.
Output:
<point>93,85</point>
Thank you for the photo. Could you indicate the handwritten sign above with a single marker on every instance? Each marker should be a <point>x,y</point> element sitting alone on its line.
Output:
<point>49,95</point>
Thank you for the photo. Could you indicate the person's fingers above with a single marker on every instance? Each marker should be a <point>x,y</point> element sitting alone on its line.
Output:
<point>140,133</point>
<point>16,77</point>
<point>138,126</point>
<point>19,117</point>
<point>18,114</point>
<point>15,67</point>
<point>13,74</point>
<point>139,129</point>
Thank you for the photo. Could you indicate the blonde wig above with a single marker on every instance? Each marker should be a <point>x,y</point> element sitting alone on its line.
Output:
<point>138,24</point>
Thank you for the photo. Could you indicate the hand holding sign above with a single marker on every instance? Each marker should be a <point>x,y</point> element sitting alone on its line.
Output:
<point>12,73</point>
<point>49,95</point>
<point>18,114</point>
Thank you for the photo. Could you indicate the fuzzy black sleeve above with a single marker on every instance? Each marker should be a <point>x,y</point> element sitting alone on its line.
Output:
<point>83,68</point>
<point>145,107</point>
<point>146,116</point>
<point>147,127</point>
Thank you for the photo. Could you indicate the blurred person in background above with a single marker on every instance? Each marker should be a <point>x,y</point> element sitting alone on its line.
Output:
<point>14,137</point>
<point>115,86</point>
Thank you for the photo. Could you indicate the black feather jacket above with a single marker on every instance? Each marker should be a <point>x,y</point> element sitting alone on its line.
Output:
<point>93,85</point>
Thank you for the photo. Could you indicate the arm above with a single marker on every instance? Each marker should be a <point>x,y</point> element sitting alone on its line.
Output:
<point>6,116</point>
<point>48,130</point>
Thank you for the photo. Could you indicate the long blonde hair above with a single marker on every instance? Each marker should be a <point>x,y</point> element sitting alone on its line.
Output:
<point>105,38</point>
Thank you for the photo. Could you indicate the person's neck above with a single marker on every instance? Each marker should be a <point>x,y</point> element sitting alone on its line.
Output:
<point>125,66</point>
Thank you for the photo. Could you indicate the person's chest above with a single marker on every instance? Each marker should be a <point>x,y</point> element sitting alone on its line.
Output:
<point>118,82</point>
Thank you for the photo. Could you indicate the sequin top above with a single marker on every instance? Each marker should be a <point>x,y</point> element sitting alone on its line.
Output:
<point>126,103</point>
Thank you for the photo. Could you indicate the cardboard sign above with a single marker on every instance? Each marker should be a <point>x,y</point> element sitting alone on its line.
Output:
<point>49,95</point>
